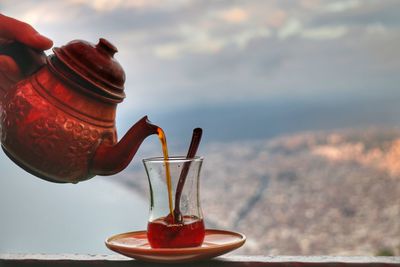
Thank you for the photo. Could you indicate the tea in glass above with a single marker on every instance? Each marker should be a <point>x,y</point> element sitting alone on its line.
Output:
<point>169,227</point>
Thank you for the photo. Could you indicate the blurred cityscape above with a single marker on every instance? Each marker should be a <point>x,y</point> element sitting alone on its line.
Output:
<point>313,193</point>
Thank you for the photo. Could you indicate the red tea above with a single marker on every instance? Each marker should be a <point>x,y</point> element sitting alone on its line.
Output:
<point>163,233</point>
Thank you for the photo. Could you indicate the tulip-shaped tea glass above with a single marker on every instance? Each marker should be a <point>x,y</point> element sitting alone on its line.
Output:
<point>175,219</point>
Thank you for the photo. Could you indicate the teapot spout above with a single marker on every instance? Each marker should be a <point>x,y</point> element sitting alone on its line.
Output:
<point>110,159</point>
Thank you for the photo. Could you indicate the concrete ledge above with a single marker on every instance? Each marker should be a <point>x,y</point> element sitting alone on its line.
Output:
<point>77,260</point>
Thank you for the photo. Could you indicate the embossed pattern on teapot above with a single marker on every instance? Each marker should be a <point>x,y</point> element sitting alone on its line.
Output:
<point>59,123</point>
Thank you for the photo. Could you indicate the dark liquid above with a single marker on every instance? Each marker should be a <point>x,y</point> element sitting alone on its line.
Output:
<point>163,233</point>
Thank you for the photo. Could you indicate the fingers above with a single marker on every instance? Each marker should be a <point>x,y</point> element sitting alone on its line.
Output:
<point>20,31</point>
<point>27,35</point>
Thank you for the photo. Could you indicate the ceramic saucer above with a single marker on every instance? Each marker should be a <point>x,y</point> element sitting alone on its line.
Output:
<point>135,245</point>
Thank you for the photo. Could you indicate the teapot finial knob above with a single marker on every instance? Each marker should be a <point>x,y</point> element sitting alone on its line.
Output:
<point>106,46</point>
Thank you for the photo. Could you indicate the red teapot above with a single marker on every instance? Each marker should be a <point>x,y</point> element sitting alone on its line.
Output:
<point>58,122</point>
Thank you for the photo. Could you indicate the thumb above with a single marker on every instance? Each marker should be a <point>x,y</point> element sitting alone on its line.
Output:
<point>9,67</point>
<point>9,72</point>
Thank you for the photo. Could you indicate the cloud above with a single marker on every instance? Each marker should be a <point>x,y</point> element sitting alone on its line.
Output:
<point>323,33</point>
<point>340,6</point>
<point>234,15</point>
<point>192,41</point>
<point>182,52</point>
<point>37,12</point>
<point>111,5</point>
<point>195,40</point>
<point>360,13</point>
<point>276,18</point>
<point>292,27</point>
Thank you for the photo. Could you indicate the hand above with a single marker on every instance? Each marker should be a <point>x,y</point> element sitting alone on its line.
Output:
<point>14,30</point>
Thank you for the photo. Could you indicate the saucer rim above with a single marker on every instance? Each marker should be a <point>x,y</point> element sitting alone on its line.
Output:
<point>166,251</point>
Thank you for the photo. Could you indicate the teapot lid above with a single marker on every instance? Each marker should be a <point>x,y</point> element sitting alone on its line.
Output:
<point>96,65</point>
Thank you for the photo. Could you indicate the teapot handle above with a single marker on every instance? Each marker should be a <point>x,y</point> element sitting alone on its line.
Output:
<point>28,59</point>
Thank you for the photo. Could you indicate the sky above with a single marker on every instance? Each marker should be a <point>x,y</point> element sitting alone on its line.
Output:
<point>186,53</point>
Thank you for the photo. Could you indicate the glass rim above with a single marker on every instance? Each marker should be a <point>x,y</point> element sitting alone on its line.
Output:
<point>172,159</point>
